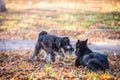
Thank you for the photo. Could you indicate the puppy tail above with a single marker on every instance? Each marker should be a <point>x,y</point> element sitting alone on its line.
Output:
<point>95,64</point>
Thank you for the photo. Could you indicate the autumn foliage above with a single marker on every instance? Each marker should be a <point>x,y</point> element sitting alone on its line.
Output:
<point>16,65</point>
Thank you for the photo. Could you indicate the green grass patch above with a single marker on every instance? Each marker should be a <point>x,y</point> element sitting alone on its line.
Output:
<point>67,20</point>
<point>88,20</point>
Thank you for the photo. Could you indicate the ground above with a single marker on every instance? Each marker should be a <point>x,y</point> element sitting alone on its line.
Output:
<point>19,29</point>
<point>16,65</point>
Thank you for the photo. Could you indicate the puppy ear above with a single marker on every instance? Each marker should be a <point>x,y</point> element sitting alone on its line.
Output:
<point>78,40</point>
<point>42,33</point>
<point>58,42</point>
<point>86,41</point>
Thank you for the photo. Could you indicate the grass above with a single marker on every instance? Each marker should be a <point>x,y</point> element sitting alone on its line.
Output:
<point>44,17</point>
<point>47,68</point>
<point>98,20</point>
<point>87,20</point>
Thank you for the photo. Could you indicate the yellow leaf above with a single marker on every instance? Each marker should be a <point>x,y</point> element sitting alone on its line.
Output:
<point>20,73</point>
<point>105,77</point>
<point>12,79</point>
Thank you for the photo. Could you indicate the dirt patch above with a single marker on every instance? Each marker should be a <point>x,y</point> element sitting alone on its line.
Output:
<point>100,40</point>
<point>22,45</point>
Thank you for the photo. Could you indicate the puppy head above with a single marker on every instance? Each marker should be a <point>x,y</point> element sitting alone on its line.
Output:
<point>42,33</point>
<point>66,45</point>
<point>80,45</point>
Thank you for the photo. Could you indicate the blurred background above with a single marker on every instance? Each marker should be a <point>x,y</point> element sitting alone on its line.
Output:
<point>68,14</point>
<point>97,20</point>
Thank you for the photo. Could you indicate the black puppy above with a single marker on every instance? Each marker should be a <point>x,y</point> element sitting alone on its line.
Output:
<point>52,44</point>
<point>92,60</point>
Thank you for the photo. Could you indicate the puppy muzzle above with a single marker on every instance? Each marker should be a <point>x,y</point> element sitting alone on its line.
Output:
<point>69,49</point>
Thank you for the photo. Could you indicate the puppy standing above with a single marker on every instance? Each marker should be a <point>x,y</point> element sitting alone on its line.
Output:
<point>52,44</point>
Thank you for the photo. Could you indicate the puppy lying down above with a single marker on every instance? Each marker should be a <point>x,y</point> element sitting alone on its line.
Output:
<point>52,45</point>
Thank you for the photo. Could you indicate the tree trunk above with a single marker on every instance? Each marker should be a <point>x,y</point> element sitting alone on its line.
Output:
<point>2,6</point>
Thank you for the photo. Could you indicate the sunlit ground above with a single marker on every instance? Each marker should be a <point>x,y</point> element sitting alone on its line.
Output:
<point>24,20</point>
